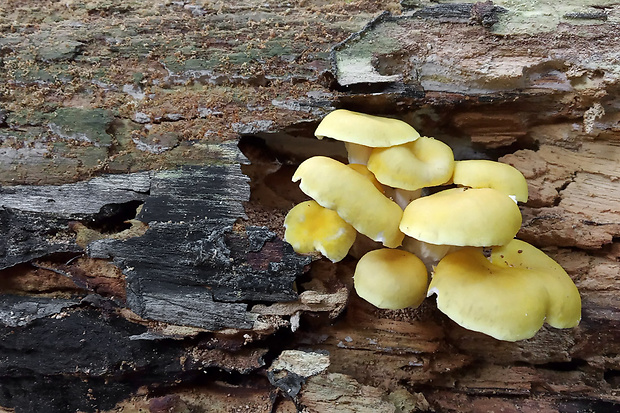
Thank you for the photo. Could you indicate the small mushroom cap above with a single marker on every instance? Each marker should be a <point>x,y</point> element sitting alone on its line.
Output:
<point>368,130</point>
<point>491,174</point>
<point>310,227</point>
<point>424,162</point>
<point>463,217</point>
<point>391,279</point>
<point>507,298</point>
<point>354,197</point>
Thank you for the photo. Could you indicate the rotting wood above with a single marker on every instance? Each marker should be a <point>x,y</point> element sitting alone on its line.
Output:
<point>103,88</point>
<point>580,187</point>
<point>35,219</point>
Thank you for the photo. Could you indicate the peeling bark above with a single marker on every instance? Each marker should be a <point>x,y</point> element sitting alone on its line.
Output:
<point>146,152</point>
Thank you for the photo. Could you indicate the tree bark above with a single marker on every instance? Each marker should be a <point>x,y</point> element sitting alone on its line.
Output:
<point>146,151</point>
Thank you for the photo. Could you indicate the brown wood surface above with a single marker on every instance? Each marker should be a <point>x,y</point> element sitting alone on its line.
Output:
<point>146,150</point>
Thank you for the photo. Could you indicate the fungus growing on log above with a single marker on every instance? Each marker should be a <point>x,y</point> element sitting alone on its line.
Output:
<point>335,186</point>
<point>508,296</point>
<point>362,169</point>
<point>489,174</point>
<point>362,132</point>
<point>422,163</point>
<point>391,279</point>
<point>463,217</point>
<point>310,227</point>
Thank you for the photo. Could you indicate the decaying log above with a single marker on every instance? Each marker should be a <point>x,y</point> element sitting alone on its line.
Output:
<point>146,151</point>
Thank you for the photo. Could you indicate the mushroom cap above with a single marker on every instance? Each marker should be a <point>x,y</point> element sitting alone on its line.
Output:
<point>507,298</point>
<point>564,309</point>
<point>309,227</point>
<point>353,196</point>
<point>391,279</point>
<point>368,130</point>
<point>414,165</point>
<point>362,169</point>
<point>463,217</point>
<point>491,174</point>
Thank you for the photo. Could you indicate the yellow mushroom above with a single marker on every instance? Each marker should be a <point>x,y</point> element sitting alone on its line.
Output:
<point>310,227</point>
<point>564,309</point>
<point>463,217</point>
<point>362,169</point>
<point>401,196</point>
<point>508,296</point>
<point>415,165</point>
<point>360,132</point>
<point>335,186</point>
<point>491,174</point>
<point>391,279</point>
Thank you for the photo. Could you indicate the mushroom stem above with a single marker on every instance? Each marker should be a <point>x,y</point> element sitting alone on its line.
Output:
<point>404,197</point>
<point>430,254</point>
<point>358,153</point>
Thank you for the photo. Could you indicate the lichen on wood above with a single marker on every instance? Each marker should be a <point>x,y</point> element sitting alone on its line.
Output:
<point>107,107</point>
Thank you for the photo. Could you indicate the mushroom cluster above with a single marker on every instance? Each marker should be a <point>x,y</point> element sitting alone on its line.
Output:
<point>463,234</point>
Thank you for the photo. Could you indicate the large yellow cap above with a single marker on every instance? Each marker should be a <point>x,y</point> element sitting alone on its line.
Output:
<point>353,196</point>
<point>424,162</point>
<point>491,174</point>
<point>391,279</point>
<point>368,130</point>
<point>463,217</point>
<point>564,307</point>
<point>310,227</point>
<point>507,297</point>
